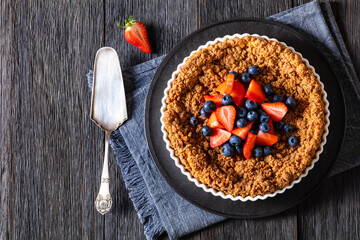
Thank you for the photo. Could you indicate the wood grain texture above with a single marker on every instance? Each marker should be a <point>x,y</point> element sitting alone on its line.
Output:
<point>51,153</point>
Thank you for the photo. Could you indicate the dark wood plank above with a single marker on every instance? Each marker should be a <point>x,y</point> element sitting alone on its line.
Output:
<point>51,149</point>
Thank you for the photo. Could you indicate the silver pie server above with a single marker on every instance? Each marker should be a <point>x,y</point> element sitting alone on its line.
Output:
<point>108,111</point>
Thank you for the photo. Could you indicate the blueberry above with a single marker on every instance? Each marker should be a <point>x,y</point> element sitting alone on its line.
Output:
<point>287,128</point>
<point>250,105</point>
<point>241,112</point>
<point>238,149</point>
<point>209,106</point>
<point>241,122</point>
<point>204,113</point>
<point>227,150</point>
<point>245,77</point>
<point>235,74</point>
<point>293,141</point>
<point>254,70</point>
<point>194,121</point>
<point>267,150</point>
<point>268,90</point>
<point>278,98</point>
<point>279,125</point>
<point>235,140</point>
<point>227,99</point>
<point>252,116</point>
<point>290,102</point>
<point>264,127</point>
<point>264,118</point>
<point>206,131</point>
<point>254,131</point>
<point>258,151</point>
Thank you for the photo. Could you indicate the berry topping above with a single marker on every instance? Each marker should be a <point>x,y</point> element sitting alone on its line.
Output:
<point>227,150</point>
<point>249,145</point>
<point>254,70</point>
<point>271,126</point>
<point>229,83</point>
<point>241,113</point>
<point>206,131</point>
<point>254,131</point>
<point>268,90</point>
<point>252,116</point>
<point>219,137</point>
<point>194,121</point>
<point>278,98</point>
<point>234,73</point>
<point>258,151</point>
<point>264,117</point>
<point>245,77</point>
<point>216,99</point>
<point>213,122</point>
<point>242,132</point>
<point>255,92</point>
<point>267,150</point>
<point>279,125</point>
<point>226,116</point>
<point>266,139</point>
<point>235,140</point>
<point>241,122</point>
<point>293,141</point>
<point>251,105</point>
<point>287,128</point>
<point>227,100</point>
<point>290,102</point>
<point>238,149</point>
<point>276,110</point>
<point>264,127</point>
<point>238,93</point>
<point>204,113</point>
<point>209,106</point>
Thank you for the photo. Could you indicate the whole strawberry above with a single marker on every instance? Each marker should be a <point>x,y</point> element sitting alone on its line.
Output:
<point>135,34</point>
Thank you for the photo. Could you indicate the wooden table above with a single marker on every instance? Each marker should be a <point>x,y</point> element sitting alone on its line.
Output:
<point>51,153</point>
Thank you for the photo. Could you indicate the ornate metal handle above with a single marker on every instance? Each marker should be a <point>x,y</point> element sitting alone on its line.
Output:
<point>103,200</point>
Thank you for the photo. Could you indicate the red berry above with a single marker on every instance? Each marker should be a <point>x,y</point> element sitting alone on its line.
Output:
<point>276,111</point>
<point>226,116</point>
<point>255,92</point>
<point>249,145</point>
<point>219,137</point>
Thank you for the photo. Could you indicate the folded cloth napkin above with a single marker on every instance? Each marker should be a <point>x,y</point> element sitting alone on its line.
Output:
<point>159,208</point>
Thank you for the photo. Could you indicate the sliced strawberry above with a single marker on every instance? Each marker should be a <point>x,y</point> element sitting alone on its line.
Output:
<point>213,122</point>
<point>242,132</point>
<point>135,34</point>
<point>276,111</point>
<point>255,92</point>
<point>222,88</point>
<point>229,83</point>
<point>266,139</point>
<point>271,125</point>
<point>238,93</point>
<point>219,137</point>
<point>226,116</point>
<point>216,99</point>
<point>249,145</point>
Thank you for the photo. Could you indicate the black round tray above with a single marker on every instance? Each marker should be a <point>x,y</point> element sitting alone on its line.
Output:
<point>309,48</point>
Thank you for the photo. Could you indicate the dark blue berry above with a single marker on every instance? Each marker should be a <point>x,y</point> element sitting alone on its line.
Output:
<point>258,151</point>
<point>245,77</point>
<point>241,122</point>
<point>268,90</point>
<point>204,113</point>
<point>235,140</point>
<point>209,106</point>
<point>279,125</point>
<point>290,102</point>
<point>235,74</point>
<point>264,118</point>
<point>254,70</point>
<point>227,150</point>
<point>194,121</point>
<point>254,131</point>
<point>287,128</point>
<point>252,116</point>
<point>250,105</point>
<point>293,141</point>
<point>241,112</point>
<point>206,131</point>
<point>264,127</point>
<point>278,98</point>
<point>267,150</point>
<point>238,149</point>
<point>227,99</point>
<point>260,111</point>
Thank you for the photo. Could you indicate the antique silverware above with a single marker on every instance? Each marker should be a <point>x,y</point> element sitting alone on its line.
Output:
<point>108,111</point>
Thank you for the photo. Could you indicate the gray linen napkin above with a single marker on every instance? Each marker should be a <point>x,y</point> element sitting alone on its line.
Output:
<point>159,208</point>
